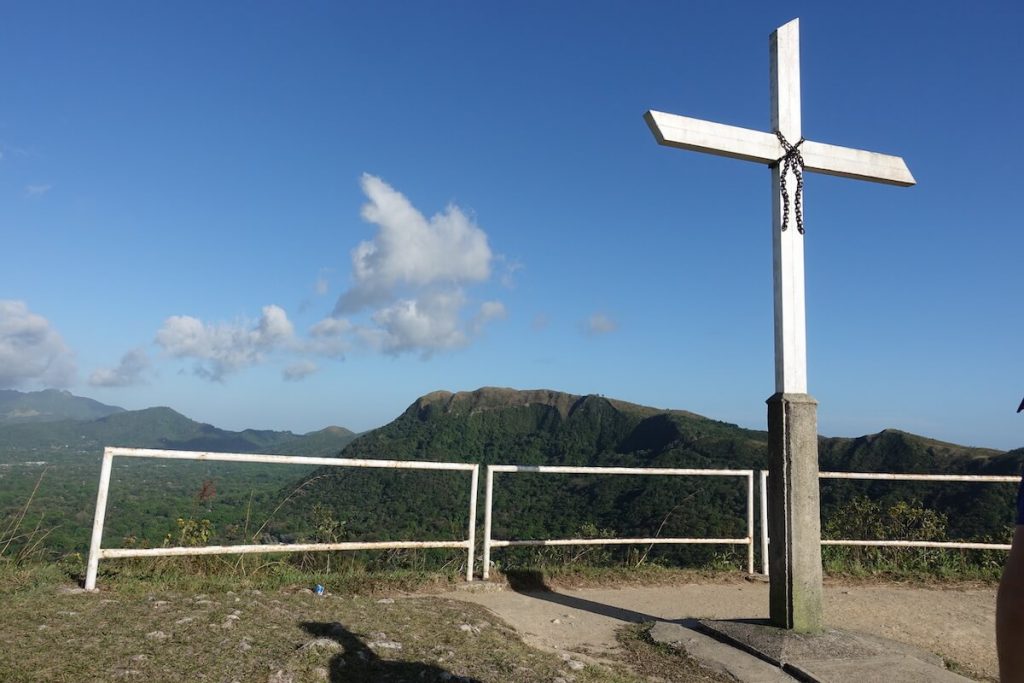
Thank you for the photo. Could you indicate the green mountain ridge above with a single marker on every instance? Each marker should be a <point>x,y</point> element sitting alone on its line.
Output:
<point>486,426</point>
<point>543,427</point>
<point>431,427</point>
<point>159,427</point>
<point>49,405</point>
<point>500,425</point>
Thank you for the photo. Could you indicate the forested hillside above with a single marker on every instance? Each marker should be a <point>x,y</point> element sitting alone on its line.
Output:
<point>243,503</point>
<point>49,405</point>
<point>56,464</point>
<point>545,427</point>
<point>156,428</point>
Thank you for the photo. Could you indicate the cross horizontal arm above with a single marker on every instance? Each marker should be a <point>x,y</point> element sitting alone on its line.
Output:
<point>855,163</point>
<point>697,135</point>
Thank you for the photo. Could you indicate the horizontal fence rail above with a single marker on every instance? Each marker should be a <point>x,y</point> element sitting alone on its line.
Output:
<point>883,476</point>
<point>490,542</point>
<point>97,552</point>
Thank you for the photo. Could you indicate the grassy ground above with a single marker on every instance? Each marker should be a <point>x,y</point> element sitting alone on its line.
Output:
<point>658,662</point>
<point>201,628</point>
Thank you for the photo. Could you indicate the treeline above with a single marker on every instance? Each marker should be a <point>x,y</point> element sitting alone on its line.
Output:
<point>594,431</point>
<point>247,503</point>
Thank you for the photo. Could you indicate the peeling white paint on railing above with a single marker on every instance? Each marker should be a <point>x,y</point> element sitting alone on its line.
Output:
<point>490,542</point>
<point>96,552</point>
<point>884,476</point>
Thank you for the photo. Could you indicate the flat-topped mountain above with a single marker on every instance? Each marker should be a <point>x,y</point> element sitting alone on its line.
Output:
<point>545,427</point>
<point>500,425</point>
<point>499,398</point>
<point>540,426</point>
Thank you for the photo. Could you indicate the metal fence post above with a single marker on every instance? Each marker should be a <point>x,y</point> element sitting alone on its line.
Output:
<point>488,503</point>
<point>97,523</point>
<point>473,486</point>
<point>764,521</point>
<point>750,522</point>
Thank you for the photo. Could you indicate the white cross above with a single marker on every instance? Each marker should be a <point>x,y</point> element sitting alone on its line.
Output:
<point>754,145</point>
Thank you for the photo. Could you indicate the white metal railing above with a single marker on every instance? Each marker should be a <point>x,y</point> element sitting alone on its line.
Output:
<point>645,471</point>
<point>96,552</point>
<point>967,545</point>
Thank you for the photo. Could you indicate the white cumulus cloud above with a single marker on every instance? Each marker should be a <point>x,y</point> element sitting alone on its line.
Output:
<point>427,324</point>
<point>329,337</point>
<point>31,350</point>
<point>411,251</point>
<point>127,373</point>
<point>412,276</point>
<point>222,348</point>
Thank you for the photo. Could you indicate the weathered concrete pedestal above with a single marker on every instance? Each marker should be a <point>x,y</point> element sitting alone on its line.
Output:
<point>794,523</point>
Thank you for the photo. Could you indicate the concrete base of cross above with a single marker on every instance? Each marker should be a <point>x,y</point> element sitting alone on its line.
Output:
<point>794,522</point>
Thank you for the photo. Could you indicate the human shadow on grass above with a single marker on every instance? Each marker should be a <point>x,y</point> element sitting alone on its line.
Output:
<point>357,662</point>
<point>530,582</point>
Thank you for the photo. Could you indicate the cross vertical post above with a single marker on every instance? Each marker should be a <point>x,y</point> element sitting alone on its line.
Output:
<point>787,245</point>
<point>794,522</point>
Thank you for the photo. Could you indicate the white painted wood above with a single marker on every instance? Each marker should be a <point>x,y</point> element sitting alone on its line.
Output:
<point>858,164</point>
<point>787,245</point>
<point>751,145</point>
<point>683,132</point>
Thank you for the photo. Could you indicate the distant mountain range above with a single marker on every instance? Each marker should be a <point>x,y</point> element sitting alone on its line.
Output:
<point>49,405</point>
<point>50,420</point>
<point>508,426</point>
<point>489,425</point>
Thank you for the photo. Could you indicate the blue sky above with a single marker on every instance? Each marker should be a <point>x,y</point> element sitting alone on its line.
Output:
<point>293,215</point>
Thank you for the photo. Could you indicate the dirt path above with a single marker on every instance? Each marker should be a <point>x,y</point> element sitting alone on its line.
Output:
<point>956,623</point>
